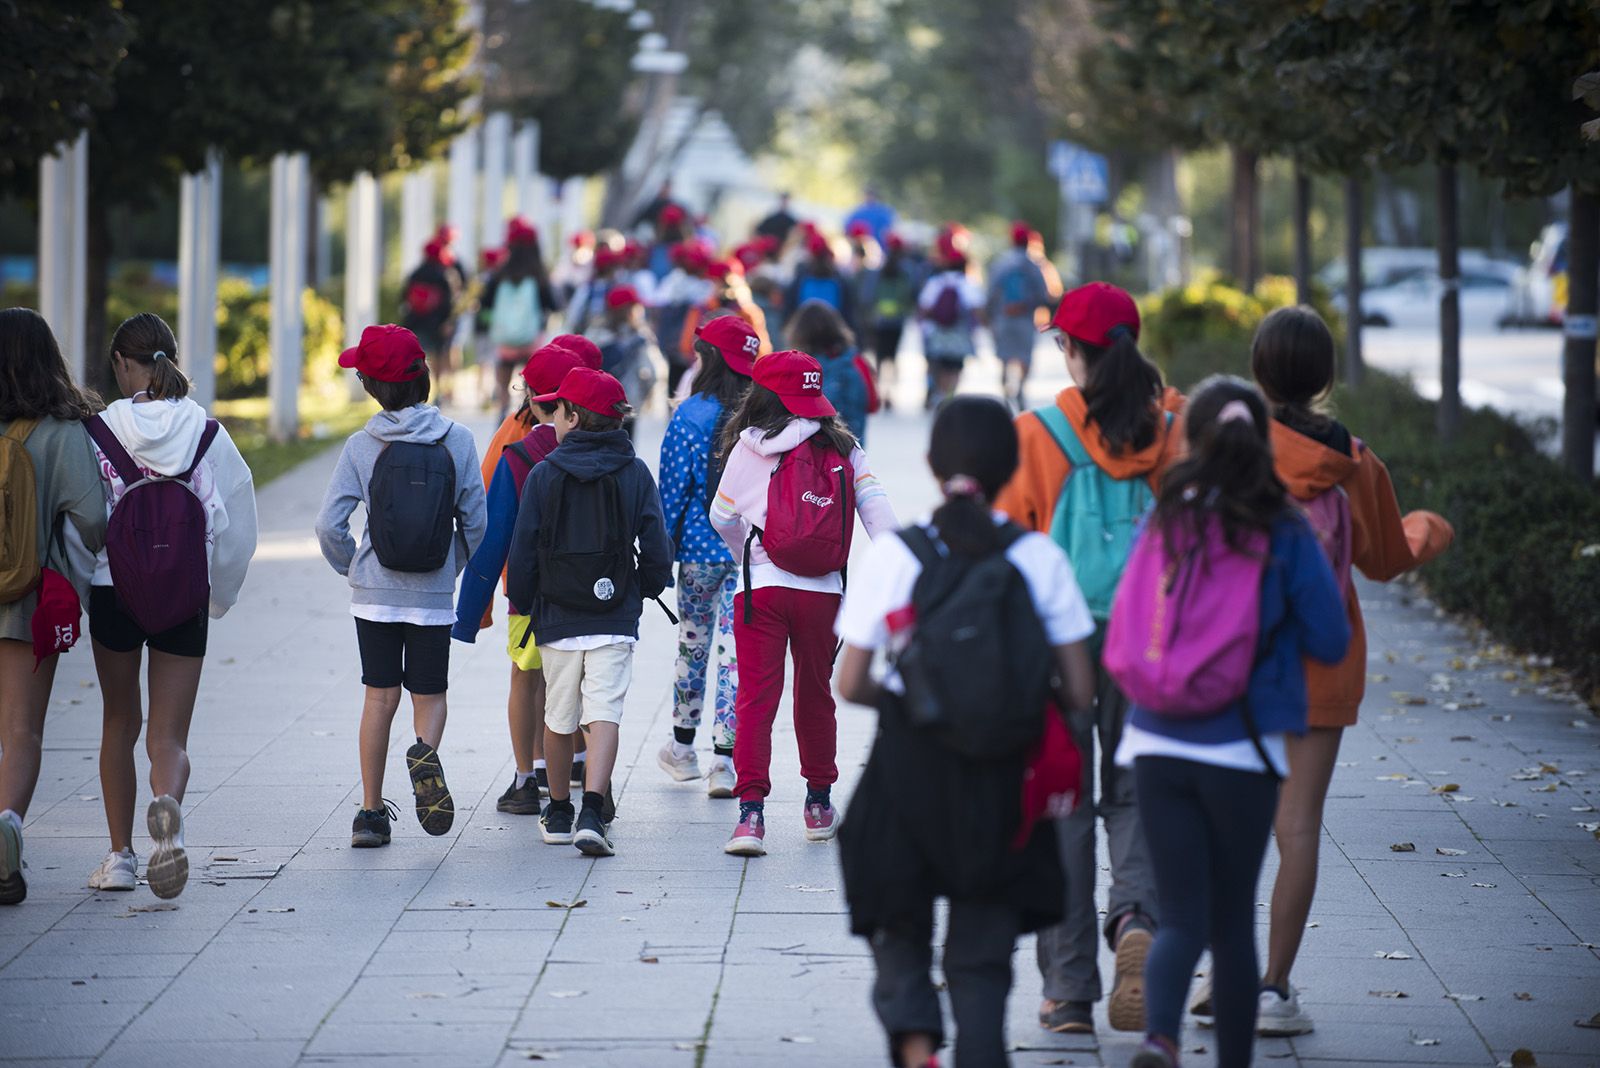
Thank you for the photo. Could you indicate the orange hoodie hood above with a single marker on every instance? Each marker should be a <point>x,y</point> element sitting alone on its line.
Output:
<point>1307,466</point>
<point>1153,458</point>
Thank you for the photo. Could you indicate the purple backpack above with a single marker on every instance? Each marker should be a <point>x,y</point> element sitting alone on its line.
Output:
<point>156,538</point>
<point>1184,625</point>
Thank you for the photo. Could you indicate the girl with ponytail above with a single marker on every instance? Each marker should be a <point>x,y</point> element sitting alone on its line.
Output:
<point>1207,784</point>
<point>924,818</point>
<point>163,432</point>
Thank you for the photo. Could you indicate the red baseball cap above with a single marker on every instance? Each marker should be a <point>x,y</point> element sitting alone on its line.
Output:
<point>587,351</point>
<point>817,244</point>
<point>672,213</point>
<point>605,259</point>
<point>1021,233</point>
<point>386,353</point>
<point>736,339</point>
<point>622,296</point>
<point>492,258</point>
<point>797,380</point>
<point>584,387</point>
<point>859,228</point>
<point>55,617</point>
<point>894,241</point>
<point>1093,312</point>
<point>520,231</point>
<point>548,366</point>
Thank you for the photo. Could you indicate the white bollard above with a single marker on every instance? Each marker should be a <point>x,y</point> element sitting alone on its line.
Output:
<point>291,181</point>
<point>199,251</point>
<point>416,215</point>
<point>63,247</point>
<point>525,169</point>
<point>496,147</point>
<point>363,258</point>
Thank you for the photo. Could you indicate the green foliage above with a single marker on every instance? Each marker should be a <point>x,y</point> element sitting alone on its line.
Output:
<point>1526,559</point>
<point>244,358</point>
<point>55,68</point>
<point>565,63</point>
<point>1206,326</point>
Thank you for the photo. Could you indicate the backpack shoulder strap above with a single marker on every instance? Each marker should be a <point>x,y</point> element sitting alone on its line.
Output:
<point>1009,533</point>
<point>921,544</point>
<point>207,436</point>
<point>19,430</point>
<point>121,462</point>
<point>521,452</point>
<point>1066,437</point>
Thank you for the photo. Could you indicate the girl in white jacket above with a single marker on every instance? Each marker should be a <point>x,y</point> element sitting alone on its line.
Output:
<point>161,430</point>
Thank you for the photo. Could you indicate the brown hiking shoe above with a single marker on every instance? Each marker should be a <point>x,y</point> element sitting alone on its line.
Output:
<point>1126,1007</point>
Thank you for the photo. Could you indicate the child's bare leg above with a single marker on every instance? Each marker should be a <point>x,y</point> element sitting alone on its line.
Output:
<point>603,739</point>
<point>377,716</point>
<point>558,759</point>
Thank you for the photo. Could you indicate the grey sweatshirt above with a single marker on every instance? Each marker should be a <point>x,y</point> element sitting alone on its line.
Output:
<point>371,582</point>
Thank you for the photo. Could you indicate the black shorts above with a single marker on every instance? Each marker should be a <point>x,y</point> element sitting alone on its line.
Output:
<point>393,654</point>
<point>117,630</point>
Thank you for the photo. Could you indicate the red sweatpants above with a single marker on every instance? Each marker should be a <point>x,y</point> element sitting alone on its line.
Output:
<point>784,620</point>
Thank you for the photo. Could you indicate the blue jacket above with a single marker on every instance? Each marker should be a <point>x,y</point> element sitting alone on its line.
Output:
<point>588,456</point>
<point>685,471</point>
<point>1302,614</point>
<point>846,390</point>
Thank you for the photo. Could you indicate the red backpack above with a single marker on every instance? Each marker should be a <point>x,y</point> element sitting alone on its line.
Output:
<point>811,507</point>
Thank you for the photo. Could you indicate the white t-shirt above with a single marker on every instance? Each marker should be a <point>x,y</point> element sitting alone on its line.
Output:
<point>877,614</point>
<point>1239,756</point>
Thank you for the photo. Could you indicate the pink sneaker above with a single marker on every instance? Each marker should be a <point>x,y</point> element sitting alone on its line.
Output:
<point>749,836</point>
<point>822,823</point>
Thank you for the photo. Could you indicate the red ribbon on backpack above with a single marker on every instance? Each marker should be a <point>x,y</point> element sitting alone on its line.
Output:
<point>1053,780</point>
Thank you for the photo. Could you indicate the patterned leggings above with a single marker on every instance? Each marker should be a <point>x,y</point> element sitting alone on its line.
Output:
<point>705,604</point>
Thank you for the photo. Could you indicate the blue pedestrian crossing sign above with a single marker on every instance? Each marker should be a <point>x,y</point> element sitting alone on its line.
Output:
<point>1084,176</point>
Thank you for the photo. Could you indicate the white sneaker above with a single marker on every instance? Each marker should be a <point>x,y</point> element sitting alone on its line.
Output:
<point>119,871</point>
<point>679,761</point>
<point>1281,1017</point>
<point>168,870</point>
<point>720,780</point>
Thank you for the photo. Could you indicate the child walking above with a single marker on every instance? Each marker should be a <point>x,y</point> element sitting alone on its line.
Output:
<point>584,510</point>
<point>1208,780</point>
<point>1329,472</point>
<point>628,350</point>
<point>1089,464</point>
<point>847,379</point>
<point>793,478</point>
<point>48,471</point>
<point>691,468</point>
<point>525,703</point>
<point>160,457</point>
<point>908,837</point>
<point>416,474</point>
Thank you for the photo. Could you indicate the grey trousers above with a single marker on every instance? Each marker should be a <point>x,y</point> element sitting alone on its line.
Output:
<point>1068,952</point>
<point>977,970</point>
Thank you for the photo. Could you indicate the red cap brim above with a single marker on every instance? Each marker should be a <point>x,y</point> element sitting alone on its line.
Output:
<point>545,398</point>
<point>347,358</point>
<point>807,406</point>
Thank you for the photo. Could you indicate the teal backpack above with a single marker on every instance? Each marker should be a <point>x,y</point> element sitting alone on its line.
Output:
<point>1096,516</point>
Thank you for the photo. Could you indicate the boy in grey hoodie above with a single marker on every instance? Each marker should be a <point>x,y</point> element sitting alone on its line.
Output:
<point>426,528</point>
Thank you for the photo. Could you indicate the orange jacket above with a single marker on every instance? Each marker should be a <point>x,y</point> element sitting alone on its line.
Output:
<point>512,429</point>
<point>750,313</point>
<point>1384,545</point>
<point>1030,497</point>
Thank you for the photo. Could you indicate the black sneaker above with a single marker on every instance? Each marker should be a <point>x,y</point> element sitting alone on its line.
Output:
<point>435,810</point>
<point>608,808</point>
<point>541,777</point>
<point>591,837</point>
<point>578,767</point>
<point>555,826</point>
<point>371,826</point>
<point>520,800</point>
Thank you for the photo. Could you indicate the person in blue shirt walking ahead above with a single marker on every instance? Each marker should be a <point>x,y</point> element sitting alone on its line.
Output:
<point>707,574</point>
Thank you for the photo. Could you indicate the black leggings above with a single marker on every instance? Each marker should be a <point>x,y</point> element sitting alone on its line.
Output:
<point>1207,831</point>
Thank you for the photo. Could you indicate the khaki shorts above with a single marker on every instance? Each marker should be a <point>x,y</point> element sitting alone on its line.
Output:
<point>526,656</point>
<point>586,687</point>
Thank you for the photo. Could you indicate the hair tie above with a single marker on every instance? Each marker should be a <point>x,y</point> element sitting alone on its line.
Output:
<point>1236,411</point>
<point>962,486</point>
<point>1117,331</point>
<point>160,354</point>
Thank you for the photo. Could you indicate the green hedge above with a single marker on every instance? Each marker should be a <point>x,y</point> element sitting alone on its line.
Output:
<point>1526,559</point>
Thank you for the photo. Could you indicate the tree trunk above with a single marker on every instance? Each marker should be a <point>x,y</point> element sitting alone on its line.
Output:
<point>1578,358</point>
<point>1245,262</point>
<point>1302,235</point>
<point>96,292</point>
<point>1355,368</point>
<point>1449,304</point>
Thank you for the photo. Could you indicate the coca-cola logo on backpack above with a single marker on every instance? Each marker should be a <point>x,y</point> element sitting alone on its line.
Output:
<point>812,498</point>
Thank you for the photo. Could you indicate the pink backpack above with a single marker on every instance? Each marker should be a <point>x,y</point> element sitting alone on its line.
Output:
<point>1328,513</point>
<point>1183,630</point>
<point>811,509</point>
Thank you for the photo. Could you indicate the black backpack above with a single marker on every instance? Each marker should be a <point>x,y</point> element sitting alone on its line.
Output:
<point>978,668</point>
<point>411,505</point>
<point>586,559</point>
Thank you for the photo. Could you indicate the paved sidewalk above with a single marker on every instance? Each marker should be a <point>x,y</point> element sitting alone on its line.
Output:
<point>486,947</point>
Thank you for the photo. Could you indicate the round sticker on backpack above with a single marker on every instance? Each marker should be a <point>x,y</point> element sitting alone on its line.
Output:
<point>604,589</point>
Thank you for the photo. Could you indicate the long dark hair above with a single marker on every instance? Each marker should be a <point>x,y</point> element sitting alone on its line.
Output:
<point>147,339</point>
<point>34,381</point>
<point>820,330</point>
<point>1123,391</point>
<point>1228,472</point>
<point>973,454</point>
<point>524,260</point>
<point>716,379</point>
<point>763,409</point>
<point>1292,359</point>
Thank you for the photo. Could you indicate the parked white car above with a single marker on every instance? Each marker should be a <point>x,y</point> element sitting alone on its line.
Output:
<point>1413,302</point>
